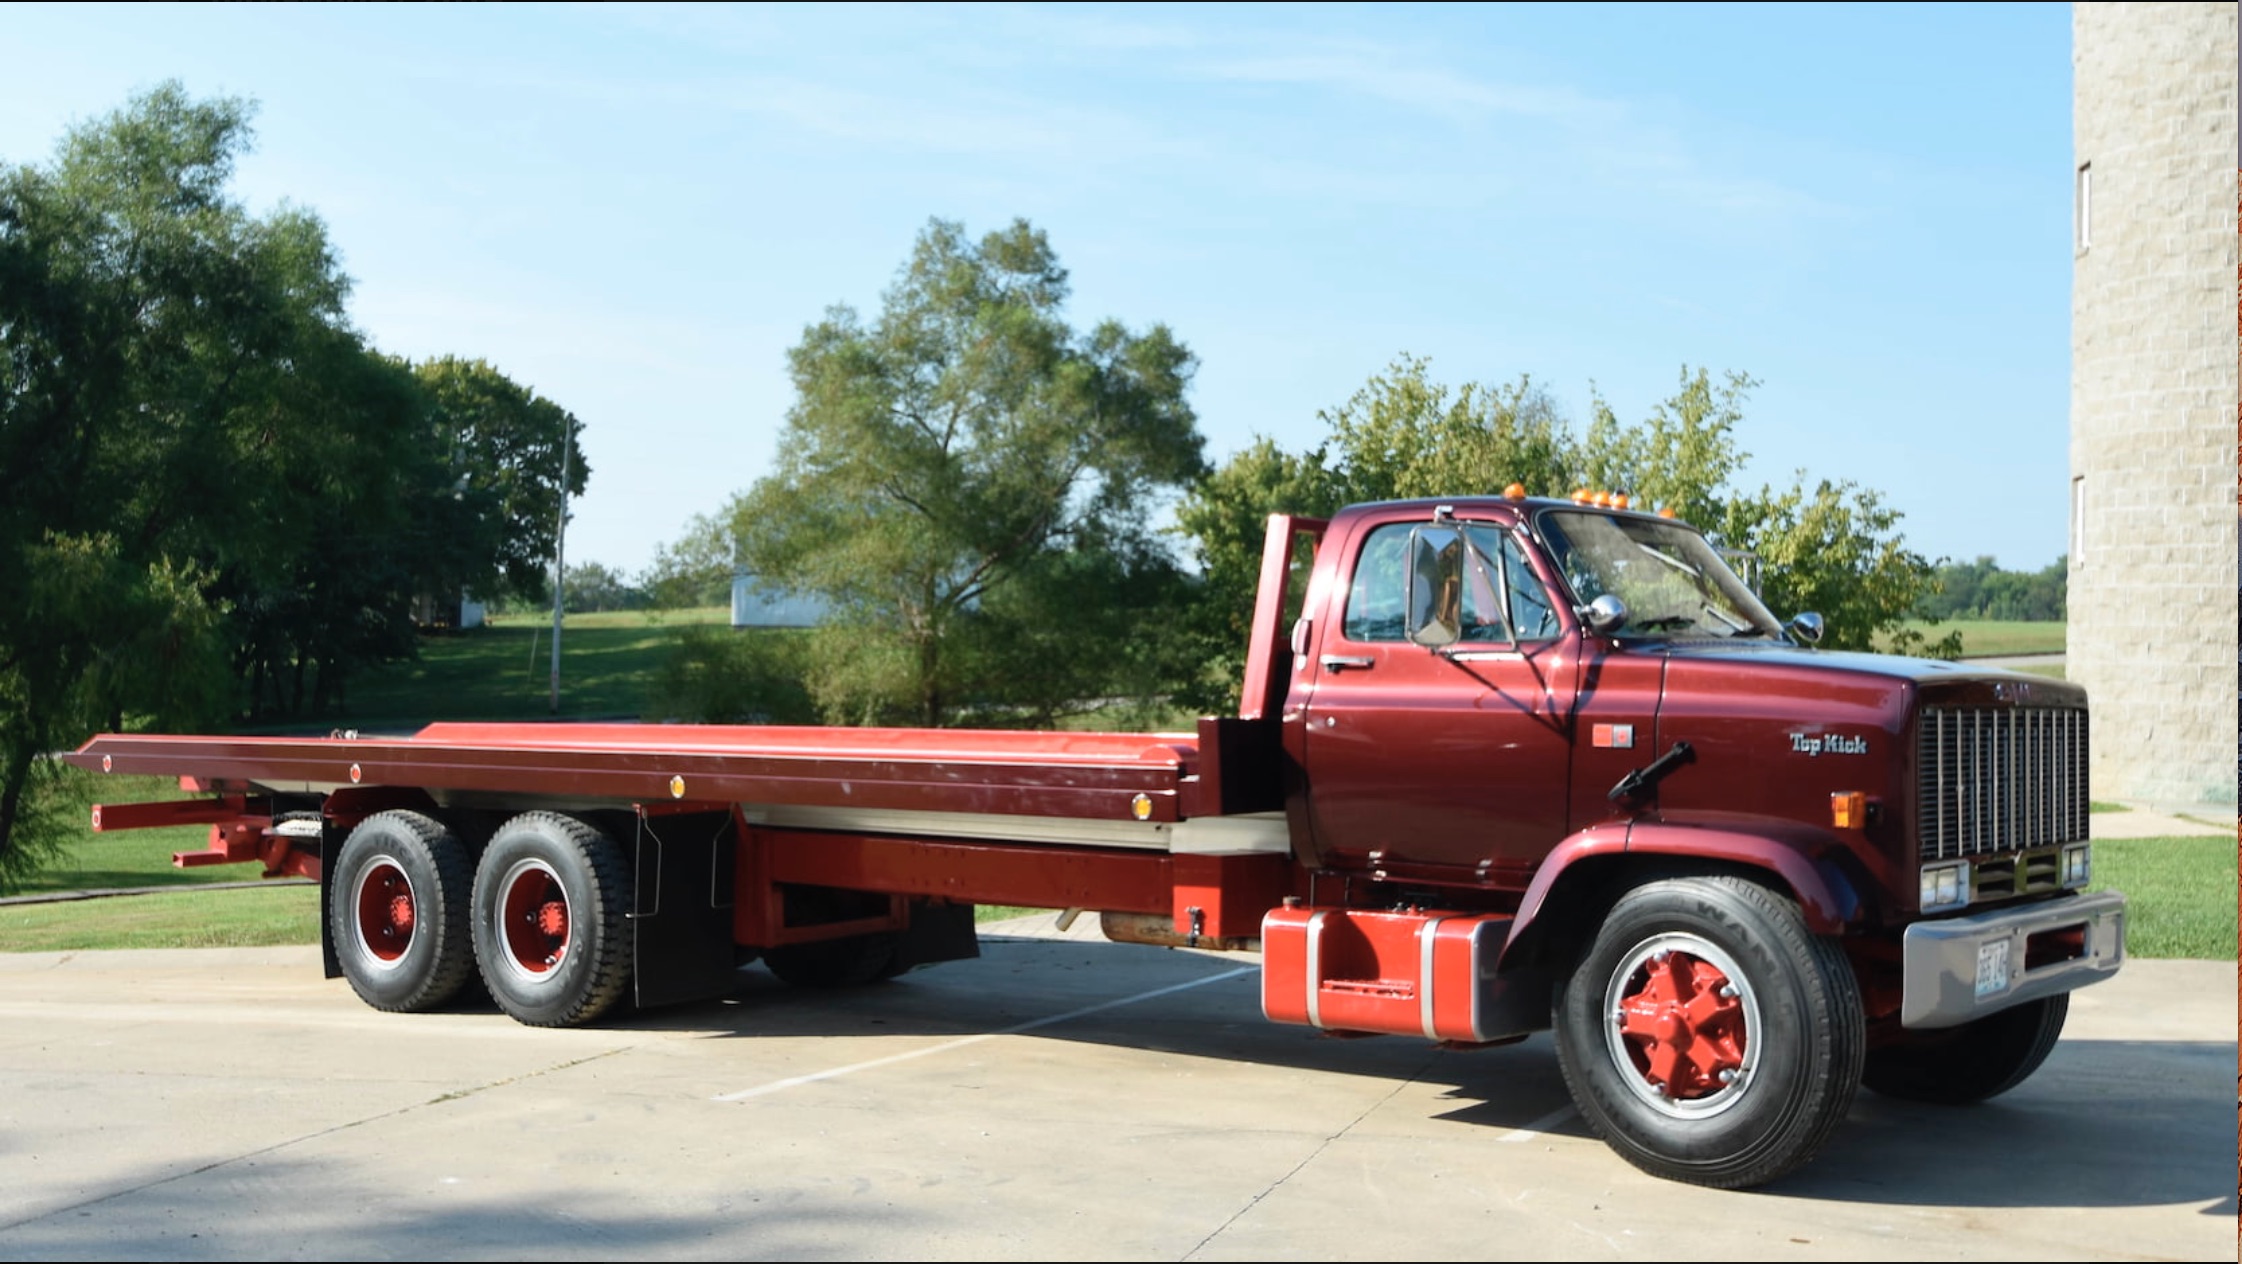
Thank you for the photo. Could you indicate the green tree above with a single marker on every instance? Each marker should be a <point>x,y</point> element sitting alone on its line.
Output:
<point>696,568</point>
<point>965,473</point>
<point>134,300</point>
<point>204,470</point>
<point>592,588</point>
<point>500,443</point>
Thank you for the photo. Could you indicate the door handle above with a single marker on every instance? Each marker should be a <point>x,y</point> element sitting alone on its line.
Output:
<point>1341,662</point>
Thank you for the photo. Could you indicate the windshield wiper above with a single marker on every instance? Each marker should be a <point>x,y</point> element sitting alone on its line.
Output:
<point>1661,623</point>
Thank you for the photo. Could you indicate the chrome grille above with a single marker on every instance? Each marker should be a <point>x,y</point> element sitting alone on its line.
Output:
<point>1999,779</point>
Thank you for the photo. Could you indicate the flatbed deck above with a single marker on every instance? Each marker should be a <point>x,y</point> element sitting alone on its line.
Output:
<point>1131,778</point>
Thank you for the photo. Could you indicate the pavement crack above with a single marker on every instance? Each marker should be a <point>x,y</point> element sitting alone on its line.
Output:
<point>1308,1158</point>
<point>329,1131</point>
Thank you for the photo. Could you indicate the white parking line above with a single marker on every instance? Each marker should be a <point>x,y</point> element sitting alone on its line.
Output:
<point>790,1082</point>
<point>1537,1127</point>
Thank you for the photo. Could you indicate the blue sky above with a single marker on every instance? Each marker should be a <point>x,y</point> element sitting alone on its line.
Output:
<point>636,209</point>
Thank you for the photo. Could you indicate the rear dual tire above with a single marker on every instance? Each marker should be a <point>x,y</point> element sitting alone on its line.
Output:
<point>551,910</point>
<point>398,912</point>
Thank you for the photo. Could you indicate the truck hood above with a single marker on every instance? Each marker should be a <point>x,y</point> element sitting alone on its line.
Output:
<point>1937,677</point>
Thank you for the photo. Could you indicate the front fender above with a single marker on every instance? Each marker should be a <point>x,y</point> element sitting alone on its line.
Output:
<point>1794,854</point>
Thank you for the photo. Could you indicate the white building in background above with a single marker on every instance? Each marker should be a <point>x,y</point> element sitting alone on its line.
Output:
<point>2154,396</point>
<point>757,605</point>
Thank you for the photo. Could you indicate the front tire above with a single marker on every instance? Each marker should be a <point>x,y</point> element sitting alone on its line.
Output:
<point>553,935</point>
<point>1707,1035</point>
<point>1958,1066</point>
<point>398,912</point>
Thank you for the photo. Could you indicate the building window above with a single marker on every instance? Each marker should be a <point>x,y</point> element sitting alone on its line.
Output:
<point>2078,520</point>
<point>2082,212</point>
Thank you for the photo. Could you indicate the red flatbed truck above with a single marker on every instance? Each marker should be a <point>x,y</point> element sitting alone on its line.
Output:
<point>1513,765</point>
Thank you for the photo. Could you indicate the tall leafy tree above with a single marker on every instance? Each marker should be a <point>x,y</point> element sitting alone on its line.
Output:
<point>500,445</point>
<point>205,472</point>
<point>966,475</point>
<point>134,298</point>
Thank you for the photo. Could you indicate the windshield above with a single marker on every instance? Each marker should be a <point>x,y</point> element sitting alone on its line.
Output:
<point>1673,583</point>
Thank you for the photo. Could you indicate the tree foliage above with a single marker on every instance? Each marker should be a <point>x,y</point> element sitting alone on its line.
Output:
<point>501,446</point>
<point>966,480</point>
<point>1980,589</point>
<point>214,496</point>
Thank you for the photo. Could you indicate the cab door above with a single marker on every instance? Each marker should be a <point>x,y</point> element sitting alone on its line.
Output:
<point>1451,764</point>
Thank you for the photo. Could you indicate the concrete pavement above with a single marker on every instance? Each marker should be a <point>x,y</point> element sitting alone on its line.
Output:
<point>1060,1098</point>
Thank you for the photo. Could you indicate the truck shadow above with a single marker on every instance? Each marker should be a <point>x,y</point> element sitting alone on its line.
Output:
<point>2103,1124</point>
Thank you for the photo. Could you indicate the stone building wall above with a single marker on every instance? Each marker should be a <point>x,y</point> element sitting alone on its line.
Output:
<point>2153,393</point>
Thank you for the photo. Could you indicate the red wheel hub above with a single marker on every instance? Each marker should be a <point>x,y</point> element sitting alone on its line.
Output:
<point>1683,1026</point>
<point>386,913</point>
<point>534,917</point>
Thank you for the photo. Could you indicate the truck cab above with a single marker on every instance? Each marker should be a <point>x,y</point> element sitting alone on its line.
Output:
<point>1565,732</point>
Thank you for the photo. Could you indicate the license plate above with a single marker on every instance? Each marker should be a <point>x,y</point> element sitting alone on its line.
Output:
<point>1992,968</point>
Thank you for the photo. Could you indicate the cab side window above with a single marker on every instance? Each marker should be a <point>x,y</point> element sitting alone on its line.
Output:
<point>1374,599</point>
<point>1377,593</point>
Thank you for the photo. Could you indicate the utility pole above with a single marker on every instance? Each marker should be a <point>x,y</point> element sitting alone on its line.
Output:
<point>560,569</point>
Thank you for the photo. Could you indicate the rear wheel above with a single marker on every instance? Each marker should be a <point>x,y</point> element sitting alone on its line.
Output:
<point>1955,1066</point>
<point>398,912</point>
<point>552,910</point>
<point>1707,1035</point>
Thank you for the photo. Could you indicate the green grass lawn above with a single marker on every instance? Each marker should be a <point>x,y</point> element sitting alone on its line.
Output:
<point>1993,637</point>
<point>503,671</point>
<point>279,913</point>
<point>2180,893</point>
<point>131,858</point>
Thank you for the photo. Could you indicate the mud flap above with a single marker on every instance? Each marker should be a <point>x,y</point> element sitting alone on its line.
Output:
<point>938,931</point>
<point>683,947</point>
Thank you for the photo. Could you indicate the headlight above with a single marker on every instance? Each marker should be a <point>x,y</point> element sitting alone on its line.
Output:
<point>2078,865</point>
<point>1945,887</point>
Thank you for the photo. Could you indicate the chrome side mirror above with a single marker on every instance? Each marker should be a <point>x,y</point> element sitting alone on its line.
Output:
<point>1807,627</point>
<point>1605,614</point>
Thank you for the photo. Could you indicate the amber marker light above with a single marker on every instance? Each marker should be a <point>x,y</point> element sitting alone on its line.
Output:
<point>1848,809</point>
<point>1580,497</point>
<point>1665,511</point>
<point>1141,807</point>
<point>1619,500</point>
<point>677,787</point>
<point>1516,491</point>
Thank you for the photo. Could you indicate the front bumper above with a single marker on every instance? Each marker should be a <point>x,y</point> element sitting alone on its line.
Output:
<point>1959,968</point>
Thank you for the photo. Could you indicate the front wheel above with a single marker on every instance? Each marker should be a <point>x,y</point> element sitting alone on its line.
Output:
<point>1707,1035</point>
<point>553,935</point>
<point>1956,1066</point>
